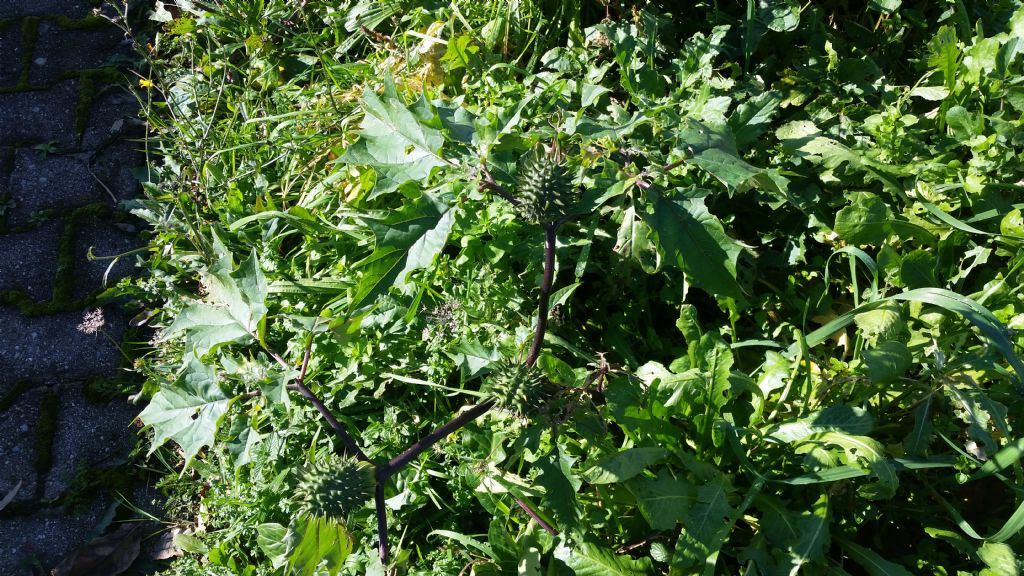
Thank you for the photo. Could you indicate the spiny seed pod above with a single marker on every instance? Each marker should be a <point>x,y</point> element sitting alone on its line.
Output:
<point>335,487</point>
<point>517,388</point>
<point>544,186</point>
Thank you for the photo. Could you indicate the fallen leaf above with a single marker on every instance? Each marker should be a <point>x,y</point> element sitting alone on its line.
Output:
<point>164,546</point>
<point>109,555</point>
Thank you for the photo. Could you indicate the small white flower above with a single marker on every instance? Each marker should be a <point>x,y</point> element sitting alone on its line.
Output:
<point>92,322</point>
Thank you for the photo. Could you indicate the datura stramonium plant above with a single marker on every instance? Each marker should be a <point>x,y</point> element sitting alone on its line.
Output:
<point>544,186</point>
<point>334,487</point>
<point>517,388</point>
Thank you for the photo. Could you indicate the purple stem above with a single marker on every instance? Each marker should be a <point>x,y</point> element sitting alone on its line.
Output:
<point>350,443</point>
<point>398,462</point>
<point>536,518</point>
<point>545,293</point>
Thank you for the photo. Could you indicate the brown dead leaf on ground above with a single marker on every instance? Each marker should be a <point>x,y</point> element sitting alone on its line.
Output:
<point>107,555</point>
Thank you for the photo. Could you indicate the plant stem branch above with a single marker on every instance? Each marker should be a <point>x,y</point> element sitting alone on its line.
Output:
<point>299,384</point>
<point>545,294</point>
<point>398,462</point>
<point>489,183</point>
<point>535,517</point>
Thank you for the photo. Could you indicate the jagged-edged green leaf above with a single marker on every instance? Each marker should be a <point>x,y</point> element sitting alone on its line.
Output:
<point>187,411</point>
<point>591,559</point>
<point>751,118</point>
<point>804,536</point>
<point>694,241</point>
<point>839,418</point>
<point>705,528</point>
<point>634,240</point>
<point>400,143</point>
<point>663,500</point>
<point>270,537</point>
<point>624,465</point>
<point>868,452</point>
<point>559,491</point>
<point>206,327</point>
<point>407,240</point>
<point>314,540</point>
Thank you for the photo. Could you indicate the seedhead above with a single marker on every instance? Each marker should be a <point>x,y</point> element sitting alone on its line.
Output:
<point>517,388</point>
<point>335,487</point>
<point>544,186</point>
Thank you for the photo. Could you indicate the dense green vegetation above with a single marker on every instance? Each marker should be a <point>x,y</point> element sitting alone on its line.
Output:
<point>724,289</point>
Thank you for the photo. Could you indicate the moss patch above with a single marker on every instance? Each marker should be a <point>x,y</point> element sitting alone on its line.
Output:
<point>90,82</point>
<point>46,430</point>
<point>12,395</point>
<point>63,298</point>
<point>90,482</point>
<point>29,35</point>
<point>100,390</point>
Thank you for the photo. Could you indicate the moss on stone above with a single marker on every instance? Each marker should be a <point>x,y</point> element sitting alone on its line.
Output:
<point>90,82</point>
<point>89,482</point>
<point>63,297</point>
<point>12,395</point>
<point>105,389</point>
<point>85,23</point>
<point>46,430</point>
<point>29,35</point>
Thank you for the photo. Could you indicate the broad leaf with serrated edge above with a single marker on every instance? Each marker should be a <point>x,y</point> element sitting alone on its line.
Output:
<point>407,240</point>
<point>663,500</point>
<point>400,143</point>
<point>187,411</point>
<point>590,559</point>
<point>694,241</point>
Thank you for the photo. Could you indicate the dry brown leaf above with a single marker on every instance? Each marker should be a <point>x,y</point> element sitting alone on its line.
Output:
<point>164,547</point>
<point>107,555</point>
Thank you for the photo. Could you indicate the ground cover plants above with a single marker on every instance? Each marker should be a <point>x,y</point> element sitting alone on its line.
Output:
<point>530,287</point>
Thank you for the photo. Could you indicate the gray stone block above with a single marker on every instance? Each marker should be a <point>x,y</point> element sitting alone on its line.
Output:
<point>45,537</point>
<point>28,260</point>
<point>114,117</point>
<point>41,181</point>
<point>69,8</point>
<point>40,116</point>
<point>59,52</point>
<point>10,47</point>
<point>94,435</point>
<point>18,447</point>
<point>53,349</point>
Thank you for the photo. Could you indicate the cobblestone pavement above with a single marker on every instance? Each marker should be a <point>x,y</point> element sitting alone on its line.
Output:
<point>67,150</point>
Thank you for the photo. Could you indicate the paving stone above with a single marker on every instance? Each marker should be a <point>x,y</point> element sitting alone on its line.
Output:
<point>59,52</point>
<point>51,348</point>
<point>10,47</point>
<point>93,435</point>
<point>40,116</point>
<point>28,260</point>
<point>18,448</point>
<point>114,117</point>
<point>116,166</point>
<point>45,537</point>
<point>41,181</point>
<point>69,8</point>
<point>105,239</point>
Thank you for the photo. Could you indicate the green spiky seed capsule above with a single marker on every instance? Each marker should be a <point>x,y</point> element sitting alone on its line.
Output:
<point>517,388</point>
<point>335,487</point>
<point>544,186</point>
